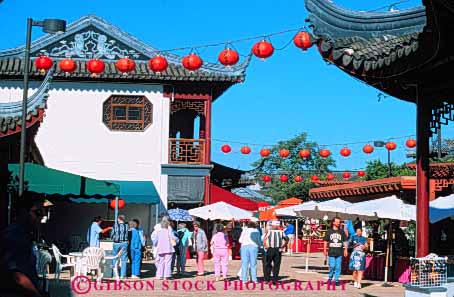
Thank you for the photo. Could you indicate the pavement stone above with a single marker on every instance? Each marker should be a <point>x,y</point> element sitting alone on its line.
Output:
<point>295,282</point>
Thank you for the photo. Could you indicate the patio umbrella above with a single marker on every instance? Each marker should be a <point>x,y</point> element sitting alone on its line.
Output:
<point>221,211</point>
<point>441,208</point>
<point>178,214</point>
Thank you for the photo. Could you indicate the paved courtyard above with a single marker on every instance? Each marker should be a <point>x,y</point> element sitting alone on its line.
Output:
<point>295,282</point>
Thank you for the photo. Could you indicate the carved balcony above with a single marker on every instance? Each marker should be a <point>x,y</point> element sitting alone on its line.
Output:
<point>186,151</point>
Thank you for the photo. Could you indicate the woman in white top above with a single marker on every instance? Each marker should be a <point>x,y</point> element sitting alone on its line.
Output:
<point>250,242</point>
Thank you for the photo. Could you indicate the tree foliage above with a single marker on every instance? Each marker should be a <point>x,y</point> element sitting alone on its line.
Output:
<point>294,165</point>
<point>376,169</point>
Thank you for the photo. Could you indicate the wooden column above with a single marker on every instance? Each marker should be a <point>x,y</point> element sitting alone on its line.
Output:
<point>207,148</point>
<point>423,115</point>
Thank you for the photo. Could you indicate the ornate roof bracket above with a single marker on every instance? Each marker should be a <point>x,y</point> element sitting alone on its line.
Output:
<point>93,37</point>
<point>333,22</point>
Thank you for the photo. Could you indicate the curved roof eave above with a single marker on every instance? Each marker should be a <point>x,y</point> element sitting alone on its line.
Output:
<point>332,21</point>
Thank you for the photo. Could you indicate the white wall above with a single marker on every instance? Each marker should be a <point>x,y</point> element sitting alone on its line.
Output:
<point>73,137</point>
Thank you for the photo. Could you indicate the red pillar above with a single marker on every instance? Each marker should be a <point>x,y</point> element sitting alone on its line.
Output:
<point>423,114</point>
<point>207,148</point>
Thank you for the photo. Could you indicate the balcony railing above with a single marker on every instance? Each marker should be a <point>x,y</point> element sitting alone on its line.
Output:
<point>186,151</point>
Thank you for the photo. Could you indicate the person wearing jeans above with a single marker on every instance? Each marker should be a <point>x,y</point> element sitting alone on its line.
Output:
<point>185,236</point>
<point>250,241</point>
<point>336,242</point>
<point>119,236</point>
<point>200,242</point>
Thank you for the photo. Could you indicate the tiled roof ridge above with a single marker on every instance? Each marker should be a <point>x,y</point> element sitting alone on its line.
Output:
<point>104,25</point>
<point>388,180</point>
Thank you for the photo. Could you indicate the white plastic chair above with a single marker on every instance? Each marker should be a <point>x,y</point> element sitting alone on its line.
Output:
<point>117,259</point>
<point>43,260</point>
<point>58,257</point>
<point>92,259</point>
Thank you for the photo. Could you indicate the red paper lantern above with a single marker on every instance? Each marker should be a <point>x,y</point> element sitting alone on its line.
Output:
<point>67,65</point>
<point>228,57</point>
<point>121,203</point>
<point>304,153</point>
<point>192,62</point>
<point>284,153</point>
<point>245,150</point>
<point>267,178</point>
<point>284,178</point>
<point>324,153</point>
<point>361,173</point>
<point>330,176</point>
<point>390,146</point>
<point>125,65</point>
<point>263,49</point>
<point>345,152</point>
<point>264,152</point>
<point>95,66</point>
<point>368,149</point>
<point>43,63</point>
<point>411,143</point>
<point>226,149</point>
<point>298,179</point>
<point>314,178</point>
<point>158,64</point>
<point>346,175</point>
<point>302,40</point>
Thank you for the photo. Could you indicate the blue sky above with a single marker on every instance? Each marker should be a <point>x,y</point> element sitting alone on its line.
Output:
<point>291,92</point>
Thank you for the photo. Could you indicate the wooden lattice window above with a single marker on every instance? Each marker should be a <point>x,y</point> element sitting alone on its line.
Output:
<point>127,113</point>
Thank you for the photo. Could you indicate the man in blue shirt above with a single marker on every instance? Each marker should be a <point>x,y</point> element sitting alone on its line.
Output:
<point>289,232</point>
<point>94,231</point>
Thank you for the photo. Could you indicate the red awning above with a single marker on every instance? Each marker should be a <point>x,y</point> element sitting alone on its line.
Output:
<point>219,194</point>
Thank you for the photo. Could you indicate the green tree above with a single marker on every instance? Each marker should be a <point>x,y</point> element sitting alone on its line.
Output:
<point>376,169</point>
<point>294,165</point>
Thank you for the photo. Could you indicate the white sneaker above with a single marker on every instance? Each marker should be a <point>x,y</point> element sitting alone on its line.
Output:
<point>134,276</point>
<point>359,286</point>
<point>356,285</point>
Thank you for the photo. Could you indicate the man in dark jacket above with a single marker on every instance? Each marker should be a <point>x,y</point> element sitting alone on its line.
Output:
<point>17,258</point>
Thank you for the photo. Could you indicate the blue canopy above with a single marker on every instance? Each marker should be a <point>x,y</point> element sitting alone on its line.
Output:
<point>133,192</point>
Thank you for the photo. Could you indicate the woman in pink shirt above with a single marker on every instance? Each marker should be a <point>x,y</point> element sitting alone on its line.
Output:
<point>220,251</point>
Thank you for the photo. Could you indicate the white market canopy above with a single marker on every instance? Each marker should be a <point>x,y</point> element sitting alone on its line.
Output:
<point>384,208</point>
<point>324,210</point>
<point>290,211</point>
<point>221,211</point>
<point>441,208</point>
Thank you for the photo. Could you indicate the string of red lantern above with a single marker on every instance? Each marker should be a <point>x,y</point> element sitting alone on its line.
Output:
<point>324,153</point>
<point>228,57</point>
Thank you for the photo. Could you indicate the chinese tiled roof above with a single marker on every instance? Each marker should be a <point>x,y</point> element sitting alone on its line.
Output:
<point>389,50</point>
<point>11,113</point>
<point>365,187</point>
<point>93,37</point>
